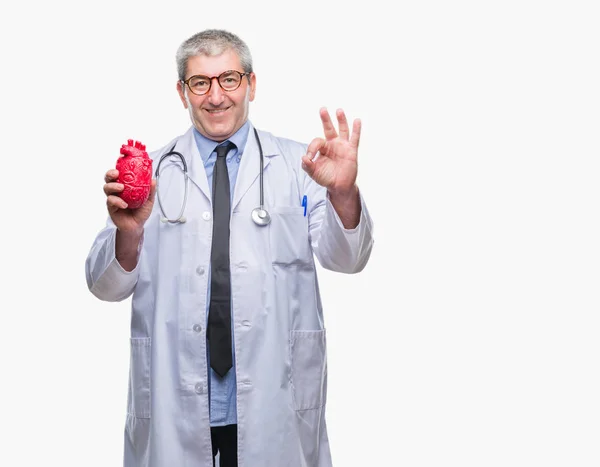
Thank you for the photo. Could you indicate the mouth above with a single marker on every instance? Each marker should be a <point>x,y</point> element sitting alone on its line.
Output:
<point>217,111</point>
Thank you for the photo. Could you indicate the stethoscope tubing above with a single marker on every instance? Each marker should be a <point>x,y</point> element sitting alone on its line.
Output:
<point>259,215</point>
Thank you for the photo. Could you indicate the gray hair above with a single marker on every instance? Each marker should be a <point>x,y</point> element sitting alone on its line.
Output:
<point>212,42</point>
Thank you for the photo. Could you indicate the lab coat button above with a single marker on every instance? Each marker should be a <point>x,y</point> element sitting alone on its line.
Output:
<point>197,328</point>
<point>206,215</point>
<point>246,323</point>
<point>199,270</point>
<point>199,388</point>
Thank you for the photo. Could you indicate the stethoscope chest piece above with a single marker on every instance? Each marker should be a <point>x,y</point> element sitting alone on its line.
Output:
<point>260,216</point>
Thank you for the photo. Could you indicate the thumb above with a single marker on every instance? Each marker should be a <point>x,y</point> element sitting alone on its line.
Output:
<point>152,191</point>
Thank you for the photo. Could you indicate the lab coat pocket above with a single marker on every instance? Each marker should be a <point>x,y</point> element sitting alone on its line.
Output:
<point>138,402</point>
<point>289,236</point>
<point>308,369</point>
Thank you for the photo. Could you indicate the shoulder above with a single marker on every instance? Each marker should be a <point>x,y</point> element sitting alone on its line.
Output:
<point>286,147</point>
<point>156,153</point>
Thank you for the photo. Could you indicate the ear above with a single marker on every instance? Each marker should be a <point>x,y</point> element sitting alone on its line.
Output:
<point>181,92</point>
<point>252,86</point>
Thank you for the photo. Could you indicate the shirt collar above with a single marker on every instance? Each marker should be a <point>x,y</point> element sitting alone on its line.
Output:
<point>207,146</point>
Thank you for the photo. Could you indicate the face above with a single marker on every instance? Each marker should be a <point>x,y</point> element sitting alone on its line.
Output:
<point>218,114</point>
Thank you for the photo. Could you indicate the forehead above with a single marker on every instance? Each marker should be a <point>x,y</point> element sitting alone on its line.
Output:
<point>213,65</point>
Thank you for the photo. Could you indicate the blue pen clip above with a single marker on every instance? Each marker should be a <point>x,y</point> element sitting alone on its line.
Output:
<point>304,204</point>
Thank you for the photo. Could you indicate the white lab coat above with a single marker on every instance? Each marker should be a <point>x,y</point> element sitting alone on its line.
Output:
<point>279,333</point>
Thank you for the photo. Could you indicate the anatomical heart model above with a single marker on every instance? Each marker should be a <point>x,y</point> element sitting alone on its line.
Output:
<point>135,172</point>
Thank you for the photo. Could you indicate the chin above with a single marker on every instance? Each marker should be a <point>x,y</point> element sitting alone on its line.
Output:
<point>211,132</point>
<point>222,133</point>
<point>219,136</point>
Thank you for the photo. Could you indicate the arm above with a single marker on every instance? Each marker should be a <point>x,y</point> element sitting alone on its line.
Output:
<point>347,206</point>
<point>127,247</point>
<point>336,247</point>
<point>111,265</point>
<point>106,277</point>
<point>340,225</point>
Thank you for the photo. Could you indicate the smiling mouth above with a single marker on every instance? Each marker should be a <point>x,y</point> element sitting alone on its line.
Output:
<point>216,111</point>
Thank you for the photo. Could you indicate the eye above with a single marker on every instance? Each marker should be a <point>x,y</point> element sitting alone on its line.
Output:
<point>199,82</point>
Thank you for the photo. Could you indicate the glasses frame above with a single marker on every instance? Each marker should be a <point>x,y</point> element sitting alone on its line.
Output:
<point>210,81</point>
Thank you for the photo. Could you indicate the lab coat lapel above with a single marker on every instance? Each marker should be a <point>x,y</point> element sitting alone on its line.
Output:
<point>250,163</point>
<point>196,169</point>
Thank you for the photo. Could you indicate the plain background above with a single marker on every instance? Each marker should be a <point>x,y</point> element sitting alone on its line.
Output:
<point>472,337</point>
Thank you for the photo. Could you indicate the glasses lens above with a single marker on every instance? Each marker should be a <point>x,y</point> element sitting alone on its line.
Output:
<point>199,84</point>
<point>230,80</point>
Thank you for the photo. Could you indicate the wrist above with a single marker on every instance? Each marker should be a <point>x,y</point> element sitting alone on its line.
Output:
<point>133,233</point>
<point>343,194</point>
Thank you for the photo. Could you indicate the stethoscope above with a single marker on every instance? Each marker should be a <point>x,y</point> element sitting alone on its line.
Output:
<point>260,215</point>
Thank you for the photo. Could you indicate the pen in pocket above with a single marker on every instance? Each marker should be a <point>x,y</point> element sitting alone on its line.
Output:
<point>304,204</point>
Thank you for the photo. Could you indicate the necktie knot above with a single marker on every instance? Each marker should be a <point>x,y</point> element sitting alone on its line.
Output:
<point>224,148</point>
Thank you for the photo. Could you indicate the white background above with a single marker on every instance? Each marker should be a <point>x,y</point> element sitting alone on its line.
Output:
<point>471,338</point>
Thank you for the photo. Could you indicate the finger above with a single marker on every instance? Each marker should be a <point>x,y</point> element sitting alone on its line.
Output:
<point>328,128</point>
<point>113,187</point>
<point>315,146</point>
<point>114,203</point>
<point>308,165</point>
<point>343,124</point>
<point>355,138</point>
<point>111,175</point>
<point>152,190</point>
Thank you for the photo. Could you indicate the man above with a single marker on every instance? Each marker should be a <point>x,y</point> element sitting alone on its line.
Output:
<point>228,348</point>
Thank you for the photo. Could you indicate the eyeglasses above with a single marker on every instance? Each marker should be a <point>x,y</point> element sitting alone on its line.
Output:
<point>228,80</point>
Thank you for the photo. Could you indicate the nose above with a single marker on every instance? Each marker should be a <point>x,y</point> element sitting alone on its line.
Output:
<point>216,95</point>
